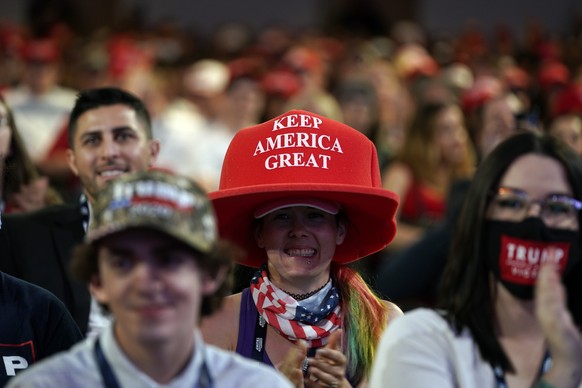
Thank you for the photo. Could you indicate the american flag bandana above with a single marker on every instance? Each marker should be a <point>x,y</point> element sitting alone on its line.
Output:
<point>291,320</point>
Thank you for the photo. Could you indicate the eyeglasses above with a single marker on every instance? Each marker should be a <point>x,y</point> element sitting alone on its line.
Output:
<point>555,209</point>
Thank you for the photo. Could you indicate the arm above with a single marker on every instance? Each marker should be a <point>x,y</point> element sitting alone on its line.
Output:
<point>411,357</point>
<point>221,328</point>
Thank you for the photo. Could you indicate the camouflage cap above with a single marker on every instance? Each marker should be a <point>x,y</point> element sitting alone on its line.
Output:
<point>171,204</point>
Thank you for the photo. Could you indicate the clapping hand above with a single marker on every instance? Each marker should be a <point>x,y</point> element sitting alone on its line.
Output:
<point>562,335</point>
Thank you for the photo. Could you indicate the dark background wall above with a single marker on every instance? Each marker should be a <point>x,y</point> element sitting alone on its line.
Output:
<point>376,16</point>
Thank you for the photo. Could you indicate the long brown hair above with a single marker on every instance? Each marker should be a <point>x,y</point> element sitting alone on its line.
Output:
<point>419,151</point>
<point>19,170</point>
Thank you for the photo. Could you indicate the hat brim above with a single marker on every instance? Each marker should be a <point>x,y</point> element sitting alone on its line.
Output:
<point>370,213</point>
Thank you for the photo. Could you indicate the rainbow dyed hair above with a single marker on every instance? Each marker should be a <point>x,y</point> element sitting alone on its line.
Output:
<point>364,319</point>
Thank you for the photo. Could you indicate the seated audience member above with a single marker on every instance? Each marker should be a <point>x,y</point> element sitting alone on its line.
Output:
<point>154,261</point>
<point>21,186</point>
<point>568,128</point>
<point>437,151</point>
<point>504,318</point>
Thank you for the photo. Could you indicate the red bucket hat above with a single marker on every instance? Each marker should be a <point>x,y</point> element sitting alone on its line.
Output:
<point>304,155</point>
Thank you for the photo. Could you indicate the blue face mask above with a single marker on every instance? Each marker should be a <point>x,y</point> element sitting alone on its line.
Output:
<point>516,250</point>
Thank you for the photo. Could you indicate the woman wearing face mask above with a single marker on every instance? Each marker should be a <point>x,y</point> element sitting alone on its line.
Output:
<point>518,236</point>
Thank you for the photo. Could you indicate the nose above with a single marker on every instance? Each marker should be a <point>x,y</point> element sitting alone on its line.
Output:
<point>146,277</point>
<point>534,209</point>
<point>109,148</point>
<point>298,228</point>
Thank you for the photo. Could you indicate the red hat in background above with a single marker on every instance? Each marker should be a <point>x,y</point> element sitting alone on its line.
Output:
<point>516,77</point>
<point>485,88</point>
<point>125,55</point>
<point>303,59</point>
<point>413,60</point>
<point>569,100</point>
<point>40,50</point>
<point>281,82</point>
<point>296,156</point>
<point>553,73</point>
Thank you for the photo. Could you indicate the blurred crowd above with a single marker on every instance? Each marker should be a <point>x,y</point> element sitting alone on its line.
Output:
<point>434,106</point>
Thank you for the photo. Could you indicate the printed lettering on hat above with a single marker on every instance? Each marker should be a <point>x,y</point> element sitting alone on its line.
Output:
<point>520,260</point>
<point>289,140</point>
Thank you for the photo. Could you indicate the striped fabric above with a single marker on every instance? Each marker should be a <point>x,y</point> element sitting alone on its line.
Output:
<point>292,320</point>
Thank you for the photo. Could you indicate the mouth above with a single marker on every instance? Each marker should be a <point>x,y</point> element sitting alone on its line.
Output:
<point>150,311</point>
<point>302,252</point>
<point>111,173</point>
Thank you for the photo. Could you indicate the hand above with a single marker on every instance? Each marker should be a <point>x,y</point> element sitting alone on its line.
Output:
<point>563,336</point>
<point>328,367</point>
<point>292,364</point>
<point>32,196</point>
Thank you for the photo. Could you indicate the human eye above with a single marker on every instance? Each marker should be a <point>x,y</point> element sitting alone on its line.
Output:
<point>558,206</point>
<point>510,203</point>
<point>124,135</point>
<point>120,263</point>
<point>91,139</point>
<point>315,214</point>
<point>280,215</point>
<point>171,260</point>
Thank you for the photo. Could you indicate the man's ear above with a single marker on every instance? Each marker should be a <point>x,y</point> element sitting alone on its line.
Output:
<point>97,290</point>
<point>212,283</point>
<point>154,151</point>
<point>72,162</point>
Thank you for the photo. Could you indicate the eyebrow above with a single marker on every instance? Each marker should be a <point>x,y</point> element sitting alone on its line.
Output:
<point>114,130</point>
<point>513,190</point>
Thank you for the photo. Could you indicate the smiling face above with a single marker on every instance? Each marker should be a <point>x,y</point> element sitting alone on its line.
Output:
<point>153,287</point>
<point>300,242</point>
<point>109,141</point>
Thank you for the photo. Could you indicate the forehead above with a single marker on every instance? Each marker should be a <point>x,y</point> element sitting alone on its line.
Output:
<point>106,118</point>
<point>537,175</point>
<point>140,240</point>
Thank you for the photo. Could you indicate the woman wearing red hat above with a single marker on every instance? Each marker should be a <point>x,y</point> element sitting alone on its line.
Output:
<point>301,194</point>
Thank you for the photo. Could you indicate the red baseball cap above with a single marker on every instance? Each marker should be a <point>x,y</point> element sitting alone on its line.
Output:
<point>303,158</point>
<point>40,50</point>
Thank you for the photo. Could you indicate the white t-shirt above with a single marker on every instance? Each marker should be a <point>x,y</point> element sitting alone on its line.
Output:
<point>78,368</point>
<point>420,349</point>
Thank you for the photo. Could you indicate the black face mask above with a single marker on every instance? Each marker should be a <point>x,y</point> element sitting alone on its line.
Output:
<point>515,251</point>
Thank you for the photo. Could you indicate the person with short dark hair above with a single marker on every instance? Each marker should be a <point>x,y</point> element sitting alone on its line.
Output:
<point>110,135</point>
<point>154,259</point>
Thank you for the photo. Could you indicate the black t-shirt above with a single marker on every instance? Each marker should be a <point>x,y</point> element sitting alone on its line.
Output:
<point>34,324</point>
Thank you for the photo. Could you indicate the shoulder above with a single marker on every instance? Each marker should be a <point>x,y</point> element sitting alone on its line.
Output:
<point>44,216</point>
<point>221,328</point>
<point>392,311</point>
<point>397,176</point>
<point>422,331</point>
<point>24,292</point>
<point>71,368</point>
<point>420,320</point>
<point>231,369</point>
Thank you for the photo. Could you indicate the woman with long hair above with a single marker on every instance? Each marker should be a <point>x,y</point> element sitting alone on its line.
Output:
<point>21,186</point>
<point>301,194</point>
